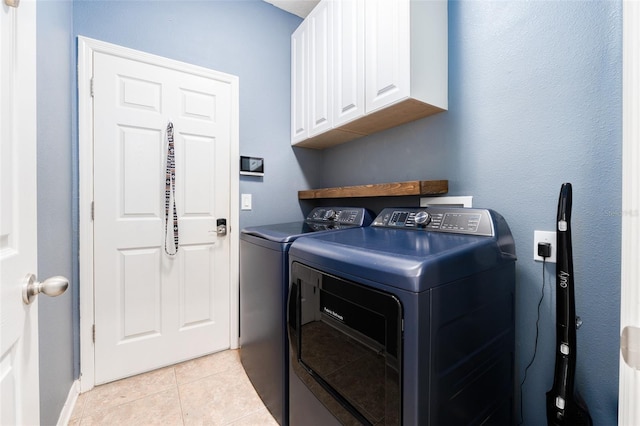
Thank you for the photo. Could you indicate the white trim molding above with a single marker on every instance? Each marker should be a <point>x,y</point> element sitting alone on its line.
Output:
<point>629,391</point>
<point>86,48</point>
<point>69,404</point>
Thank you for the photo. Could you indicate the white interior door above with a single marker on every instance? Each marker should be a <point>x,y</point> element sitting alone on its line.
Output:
<point>19,390</point>
<point>152,309</point>
<point>629,409</point>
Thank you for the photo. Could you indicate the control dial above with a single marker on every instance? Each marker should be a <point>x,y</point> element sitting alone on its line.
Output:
<point>422,218</point>
<point>330,215</point>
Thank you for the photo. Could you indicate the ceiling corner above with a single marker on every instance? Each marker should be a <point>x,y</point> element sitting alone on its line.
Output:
<point>299,8</point>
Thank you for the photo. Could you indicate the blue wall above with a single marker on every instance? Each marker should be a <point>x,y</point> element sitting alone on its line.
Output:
<point>55,91</point>
<point>534,101</point>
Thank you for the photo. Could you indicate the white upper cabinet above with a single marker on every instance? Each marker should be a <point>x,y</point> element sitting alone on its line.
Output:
<point>299,103</point>
<point>311,75</point>
<point>388,61</point>
<point>320,77</point>
<point>386,65</point>
<point>348,61</point>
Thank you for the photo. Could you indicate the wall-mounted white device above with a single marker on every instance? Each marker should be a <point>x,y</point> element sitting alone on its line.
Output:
<point>251,166</point>
<point>447,201</point>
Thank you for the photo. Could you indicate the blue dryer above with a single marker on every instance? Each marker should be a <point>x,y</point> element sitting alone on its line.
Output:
<point>409,321</point>
<point>264,273</point>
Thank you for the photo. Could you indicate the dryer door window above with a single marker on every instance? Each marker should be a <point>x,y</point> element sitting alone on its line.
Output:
<point>347,338</point>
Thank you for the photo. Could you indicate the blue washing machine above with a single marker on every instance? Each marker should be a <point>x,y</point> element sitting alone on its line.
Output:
<point>264,284</point>
<point>409,321</point>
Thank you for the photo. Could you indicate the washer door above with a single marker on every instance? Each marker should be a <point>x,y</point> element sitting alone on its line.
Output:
<point>346,346</point>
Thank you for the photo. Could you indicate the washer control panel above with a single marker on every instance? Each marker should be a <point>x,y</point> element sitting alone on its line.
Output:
<point>346,216</point>
<point>457,220</point>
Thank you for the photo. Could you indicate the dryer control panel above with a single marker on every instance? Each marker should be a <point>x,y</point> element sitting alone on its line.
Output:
<point>456,220</point>
<point>347,216</point>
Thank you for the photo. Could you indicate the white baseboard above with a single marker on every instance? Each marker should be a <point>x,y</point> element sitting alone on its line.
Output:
<point>69,405</point>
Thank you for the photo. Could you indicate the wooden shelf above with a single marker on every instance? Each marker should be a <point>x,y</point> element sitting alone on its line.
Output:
<point>395,189</point>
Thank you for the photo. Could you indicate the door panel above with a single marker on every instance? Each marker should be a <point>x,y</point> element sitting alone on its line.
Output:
<point>152,309</point>
<point>197,297</point>
<point>19,386</point>
<point>140,153</point>
<point>139,288</point>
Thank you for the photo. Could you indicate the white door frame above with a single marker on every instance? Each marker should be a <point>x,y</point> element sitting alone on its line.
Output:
<point>629,387</point>
<point>86,48</point>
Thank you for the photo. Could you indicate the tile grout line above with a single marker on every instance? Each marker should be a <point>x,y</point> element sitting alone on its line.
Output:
<point>175,376</point>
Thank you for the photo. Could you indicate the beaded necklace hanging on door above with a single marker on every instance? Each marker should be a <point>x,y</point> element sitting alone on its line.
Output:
<point>170,192</point>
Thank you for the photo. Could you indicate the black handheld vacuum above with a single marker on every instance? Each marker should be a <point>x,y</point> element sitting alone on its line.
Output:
<point>564,405</point>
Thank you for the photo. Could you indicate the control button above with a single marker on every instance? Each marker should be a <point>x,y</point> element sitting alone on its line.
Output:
<point>422,218</point>
<point>330,214</point>
<point>318,214</point>
<point>347,216</point>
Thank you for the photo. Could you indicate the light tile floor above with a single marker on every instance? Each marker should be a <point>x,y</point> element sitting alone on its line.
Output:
<point>212,390</point>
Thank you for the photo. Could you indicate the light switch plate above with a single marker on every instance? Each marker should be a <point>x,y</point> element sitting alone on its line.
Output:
<point>245,202</point>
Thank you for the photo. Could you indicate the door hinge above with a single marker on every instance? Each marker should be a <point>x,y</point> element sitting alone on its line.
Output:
<point>92,210</point>
<point>91,87</point>
<point>93,333</point>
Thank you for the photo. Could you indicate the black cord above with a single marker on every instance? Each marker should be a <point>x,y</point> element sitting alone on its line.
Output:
<point>535,346</point>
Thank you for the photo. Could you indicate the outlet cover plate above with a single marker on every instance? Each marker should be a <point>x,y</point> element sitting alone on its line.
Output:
<point>544,237</point>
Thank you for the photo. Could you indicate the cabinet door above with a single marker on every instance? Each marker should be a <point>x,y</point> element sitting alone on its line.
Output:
<point>387,30</point>
<point>348,61</point>
<point>320,78</point>
<point>299,76</point>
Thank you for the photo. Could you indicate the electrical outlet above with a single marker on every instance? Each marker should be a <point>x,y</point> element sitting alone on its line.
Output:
<point>544,237</point>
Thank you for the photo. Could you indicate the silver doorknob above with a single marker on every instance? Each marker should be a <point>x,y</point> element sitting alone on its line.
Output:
<point>53,286</point>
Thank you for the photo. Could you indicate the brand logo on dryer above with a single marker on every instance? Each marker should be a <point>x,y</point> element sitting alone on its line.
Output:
<point>332,313</point>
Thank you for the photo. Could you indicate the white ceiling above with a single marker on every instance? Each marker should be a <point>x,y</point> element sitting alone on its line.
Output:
<point>297,7</point>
